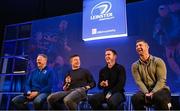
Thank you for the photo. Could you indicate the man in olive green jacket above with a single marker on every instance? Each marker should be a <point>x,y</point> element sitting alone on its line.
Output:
<point>149,73</point>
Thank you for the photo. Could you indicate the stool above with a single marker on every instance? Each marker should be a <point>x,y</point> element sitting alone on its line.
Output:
<point>84,105</point>
<point>121,106</point>
<point>151,107</point>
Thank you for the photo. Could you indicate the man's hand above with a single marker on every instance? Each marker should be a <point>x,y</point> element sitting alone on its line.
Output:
<point>148,98</point>
<point>149,94</point>
<point>68,79</point>
<point>32,95</point>
<point>67,83</point>
<point>104,83</point>
<point>87,87</point>
<point>66,86</point>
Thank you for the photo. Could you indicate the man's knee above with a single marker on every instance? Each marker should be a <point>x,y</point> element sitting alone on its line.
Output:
<point>67,100</point>
<point>162,97</point>
<point>50,98</point>
<point>37,101</point>
<point>14,101</point>
<point>162,103</point>
<point>17,100</point>
<point>159,99</point>
<point>137,98</point>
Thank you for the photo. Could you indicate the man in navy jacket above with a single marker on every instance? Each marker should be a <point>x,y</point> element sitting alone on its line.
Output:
<point>38,86</point>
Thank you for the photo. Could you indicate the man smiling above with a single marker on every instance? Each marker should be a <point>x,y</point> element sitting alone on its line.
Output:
<point>38,86</point>
<point>112,80</point>
<point>149,73</point>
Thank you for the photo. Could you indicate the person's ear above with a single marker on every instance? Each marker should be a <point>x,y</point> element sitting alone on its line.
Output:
<point>115,56</point>
<point>147,46</point>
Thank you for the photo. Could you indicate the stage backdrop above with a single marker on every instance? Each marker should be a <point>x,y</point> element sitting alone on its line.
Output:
<point>61,36</point>
<point>104,19</point>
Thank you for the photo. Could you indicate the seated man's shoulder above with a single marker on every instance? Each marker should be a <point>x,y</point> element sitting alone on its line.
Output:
<point>33,70</point>
<point>84,70</point>
<point>157,59</point>
<point>136,63</point>
<point>50,69</point>
<point>103,69</point>
<point>120,65</point>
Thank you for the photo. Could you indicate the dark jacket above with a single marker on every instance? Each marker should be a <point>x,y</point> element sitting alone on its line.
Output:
<point>116,77</point>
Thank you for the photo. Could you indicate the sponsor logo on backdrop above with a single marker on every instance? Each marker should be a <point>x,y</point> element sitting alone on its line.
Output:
<point>95,31</point>
<point>102,11</point>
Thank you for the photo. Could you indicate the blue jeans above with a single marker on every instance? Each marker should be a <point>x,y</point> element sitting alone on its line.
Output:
<point>21,101</point>
<point>69,98</point>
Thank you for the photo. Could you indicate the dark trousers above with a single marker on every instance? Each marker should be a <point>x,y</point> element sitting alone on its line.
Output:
<point>69,99</point>
<point>20,102</point>
<point>113,102</point>
<point>160,100</point>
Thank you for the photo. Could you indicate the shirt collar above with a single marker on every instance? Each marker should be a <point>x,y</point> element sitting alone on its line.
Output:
<point>43,68</point>
<point>112,66</point>
<point>148,61</point>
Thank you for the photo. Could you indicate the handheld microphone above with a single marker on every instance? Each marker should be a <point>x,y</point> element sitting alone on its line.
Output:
<point>67,82</point>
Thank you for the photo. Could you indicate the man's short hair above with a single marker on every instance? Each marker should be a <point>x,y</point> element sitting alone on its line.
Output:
<point>141,40</point>
<point>75,55</point>
<point>112,50</point>
<point>43,55</point>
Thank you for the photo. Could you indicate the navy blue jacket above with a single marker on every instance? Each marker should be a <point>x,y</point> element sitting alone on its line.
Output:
<point>40,80</point>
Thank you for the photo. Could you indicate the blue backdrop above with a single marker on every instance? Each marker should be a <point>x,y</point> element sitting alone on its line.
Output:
<point>61,36</point>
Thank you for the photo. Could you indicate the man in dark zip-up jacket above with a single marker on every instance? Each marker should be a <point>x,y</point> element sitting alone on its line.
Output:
<point>112,80</point>
<point>76,84</point>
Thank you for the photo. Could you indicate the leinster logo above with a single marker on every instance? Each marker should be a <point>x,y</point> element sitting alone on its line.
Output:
<point>101,8</point>
<point>44,71</point>
<point>102,11</point>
